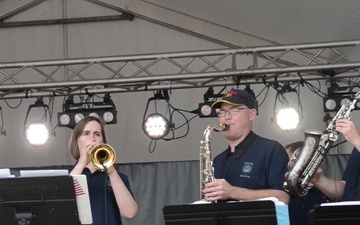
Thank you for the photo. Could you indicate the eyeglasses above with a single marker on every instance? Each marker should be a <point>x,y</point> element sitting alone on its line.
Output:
<point>232,111</point>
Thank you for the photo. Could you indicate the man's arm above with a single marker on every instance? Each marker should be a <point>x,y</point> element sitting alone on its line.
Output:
<point>222,190</point>
<point>247,194</point>
<point>333,189</point>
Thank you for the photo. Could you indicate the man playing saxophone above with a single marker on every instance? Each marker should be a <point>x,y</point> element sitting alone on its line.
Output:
<point>348,188</point>
<point>252,167</point>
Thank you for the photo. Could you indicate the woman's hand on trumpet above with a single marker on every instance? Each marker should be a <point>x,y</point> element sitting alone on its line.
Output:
<point>85,153</point>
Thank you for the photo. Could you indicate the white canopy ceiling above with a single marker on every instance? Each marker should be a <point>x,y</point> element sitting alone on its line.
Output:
<point>279,21</point>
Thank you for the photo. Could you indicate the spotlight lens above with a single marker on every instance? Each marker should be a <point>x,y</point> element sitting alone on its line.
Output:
<point>64,119</point>
<point>94,114</point>
<point>78,117</point>
<point>287,119</point>
<point>330,104</point>
<point>108,117</point>
<point>344,101</point>
<point>206,110</point>
<point>37,134</point>
<point>156,126</point>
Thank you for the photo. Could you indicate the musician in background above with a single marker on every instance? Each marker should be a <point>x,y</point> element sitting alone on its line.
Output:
<point>119,202</point>
<point>300,206</point>
<point>348,188</point>
<point>252,167</point>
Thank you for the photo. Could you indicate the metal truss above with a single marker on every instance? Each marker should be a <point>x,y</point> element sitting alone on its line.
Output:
<point>179,70</point>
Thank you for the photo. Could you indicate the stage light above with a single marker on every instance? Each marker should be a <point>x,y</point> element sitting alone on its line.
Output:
<point>205,110</point>
<point>155,125</point>
<point>38,131</point>
<point>94,114</point>
<point>287,117</point>
<point>37,134</point>
<point>108,116</point>
<point>79,116</point>
<point>333,103</point>
<point>74,112</point>
<point>330,104</point>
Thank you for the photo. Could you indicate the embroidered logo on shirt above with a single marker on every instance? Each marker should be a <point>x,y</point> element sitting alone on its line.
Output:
<point>247,167</point>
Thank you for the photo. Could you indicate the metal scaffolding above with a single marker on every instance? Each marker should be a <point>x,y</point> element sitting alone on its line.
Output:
<point>179,70</point>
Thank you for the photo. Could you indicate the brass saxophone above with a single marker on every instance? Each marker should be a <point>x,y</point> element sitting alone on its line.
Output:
<point>304,164</point>
<point>206,167</point>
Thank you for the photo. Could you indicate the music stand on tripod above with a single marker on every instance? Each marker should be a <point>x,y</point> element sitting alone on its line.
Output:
<point>38,201</point>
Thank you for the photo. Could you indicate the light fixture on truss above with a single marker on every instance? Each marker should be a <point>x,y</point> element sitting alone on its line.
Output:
<point>204,109</point>
<point>38,126</point>
<point>74,112</point>
<point>288,116</point>
<point>338,96</point>
<point>155,125</point>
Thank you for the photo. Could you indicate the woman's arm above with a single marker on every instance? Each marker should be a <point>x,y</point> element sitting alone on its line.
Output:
<point>125,201</point>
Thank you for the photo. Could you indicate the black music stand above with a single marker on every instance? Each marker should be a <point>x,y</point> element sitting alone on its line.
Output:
<point>221,213</point>
<point>335,215</point>
<point>38,201</point>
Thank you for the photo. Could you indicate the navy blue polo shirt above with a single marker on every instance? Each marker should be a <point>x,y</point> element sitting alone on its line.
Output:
<point>352,176</point>
<point>262,165</point>
<point>300,206</point>
<point>96,185</point>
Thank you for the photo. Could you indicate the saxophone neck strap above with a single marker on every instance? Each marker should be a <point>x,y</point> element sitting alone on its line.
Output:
<point>239,151</point>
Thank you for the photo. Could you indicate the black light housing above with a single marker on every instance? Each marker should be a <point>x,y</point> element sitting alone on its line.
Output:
<point>334,103</point>
<point>205,110</point>
<point>70,118</point>
<point>74,112</point>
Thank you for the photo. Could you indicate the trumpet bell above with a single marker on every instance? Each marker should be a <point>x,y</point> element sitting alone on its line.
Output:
<point>102,156</point>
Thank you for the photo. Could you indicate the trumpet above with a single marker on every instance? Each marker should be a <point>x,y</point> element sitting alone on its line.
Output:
<point>102,156</point>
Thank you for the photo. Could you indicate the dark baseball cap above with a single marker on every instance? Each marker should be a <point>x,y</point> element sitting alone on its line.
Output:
<point>236,97</point>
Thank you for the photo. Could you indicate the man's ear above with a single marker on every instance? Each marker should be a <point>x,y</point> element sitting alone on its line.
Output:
<point>253,114</point>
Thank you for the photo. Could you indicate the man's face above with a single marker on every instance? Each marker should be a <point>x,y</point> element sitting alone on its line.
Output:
<point>239,118</point>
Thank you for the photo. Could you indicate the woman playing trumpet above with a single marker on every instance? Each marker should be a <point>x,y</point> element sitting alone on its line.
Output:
<point>107,207</point>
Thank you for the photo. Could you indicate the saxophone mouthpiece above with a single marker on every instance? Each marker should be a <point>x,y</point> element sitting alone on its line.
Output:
<point>224,127</point>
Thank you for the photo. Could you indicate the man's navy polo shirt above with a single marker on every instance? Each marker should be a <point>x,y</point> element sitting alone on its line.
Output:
<point>262,166</point>
<point>300,206</point>
<point>352,176</point>
<point>96,185</point>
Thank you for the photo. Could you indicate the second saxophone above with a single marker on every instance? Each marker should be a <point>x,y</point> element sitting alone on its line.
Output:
<point>303,166</point>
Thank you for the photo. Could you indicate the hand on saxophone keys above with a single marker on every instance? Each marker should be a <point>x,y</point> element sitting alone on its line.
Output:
<point>217,190</point>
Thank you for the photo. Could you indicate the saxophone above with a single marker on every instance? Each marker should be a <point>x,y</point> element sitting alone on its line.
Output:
<point>304,164</point>
<point>206,167</point>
